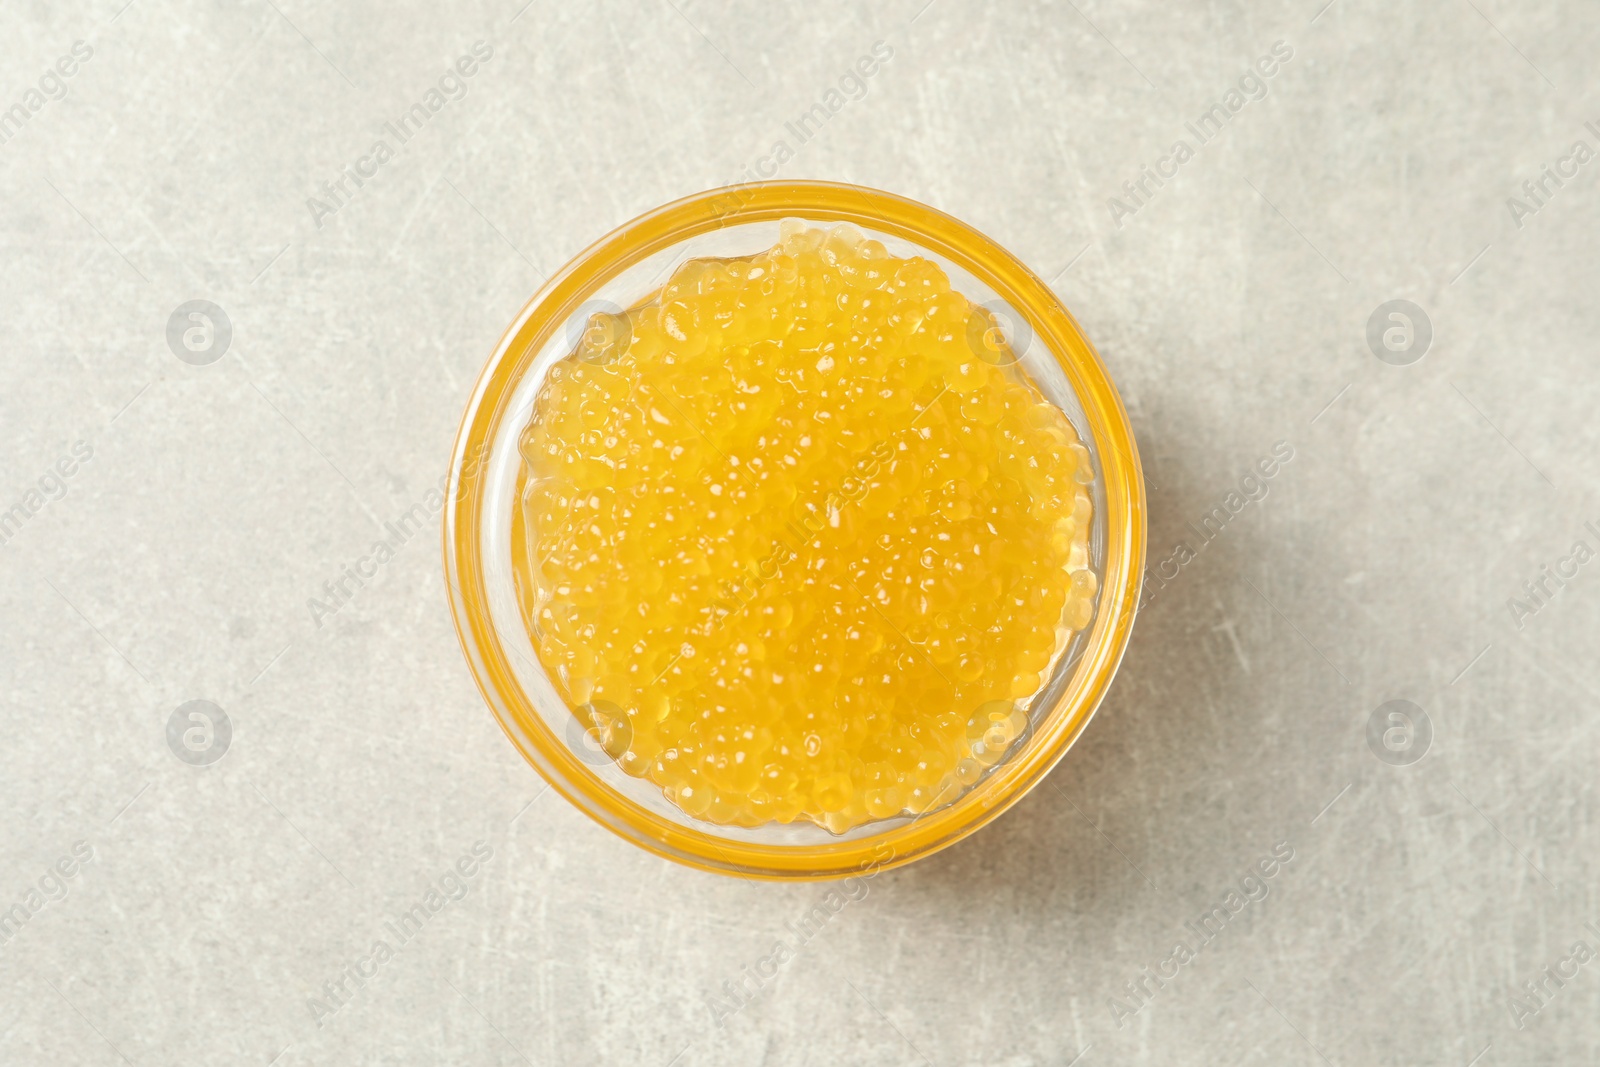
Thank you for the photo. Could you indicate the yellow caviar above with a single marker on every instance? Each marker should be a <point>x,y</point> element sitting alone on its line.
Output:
<point>800,540</point>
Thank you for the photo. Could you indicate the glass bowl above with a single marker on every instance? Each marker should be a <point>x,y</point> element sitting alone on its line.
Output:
<point>483,506</point>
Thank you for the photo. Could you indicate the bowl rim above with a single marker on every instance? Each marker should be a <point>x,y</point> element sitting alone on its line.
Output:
<point>1058,727</point>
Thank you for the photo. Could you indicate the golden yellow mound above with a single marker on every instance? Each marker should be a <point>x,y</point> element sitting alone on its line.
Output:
<point>799,537</point>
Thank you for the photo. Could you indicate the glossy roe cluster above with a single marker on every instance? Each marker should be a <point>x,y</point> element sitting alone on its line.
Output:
<point>801,539</point>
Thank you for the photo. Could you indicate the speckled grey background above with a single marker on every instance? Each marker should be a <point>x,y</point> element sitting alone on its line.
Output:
<point>222,903</point>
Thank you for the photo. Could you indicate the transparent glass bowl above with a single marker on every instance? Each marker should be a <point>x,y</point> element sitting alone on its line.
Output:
<point>618,272</point>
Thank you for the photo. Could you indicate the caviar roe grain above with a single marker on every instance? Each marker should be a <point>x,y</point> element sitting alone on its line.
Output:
<point>801,540</point>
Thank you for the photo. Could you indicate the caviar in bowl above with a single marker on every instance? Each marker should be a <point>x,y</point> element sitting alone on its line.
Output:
<point>794,532</point>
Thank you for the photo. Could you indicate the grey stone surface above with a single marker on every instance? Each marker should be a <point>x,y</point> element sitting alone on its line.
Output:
<point>1232,307</point>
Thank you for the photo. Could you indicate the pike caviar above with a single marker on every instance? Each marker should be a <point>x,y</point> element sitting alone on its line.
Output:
<point>800,540</point>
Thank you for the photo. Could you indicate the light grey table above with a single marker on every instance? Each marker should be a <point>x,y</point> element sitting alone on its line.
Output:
<point>228,912</point>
